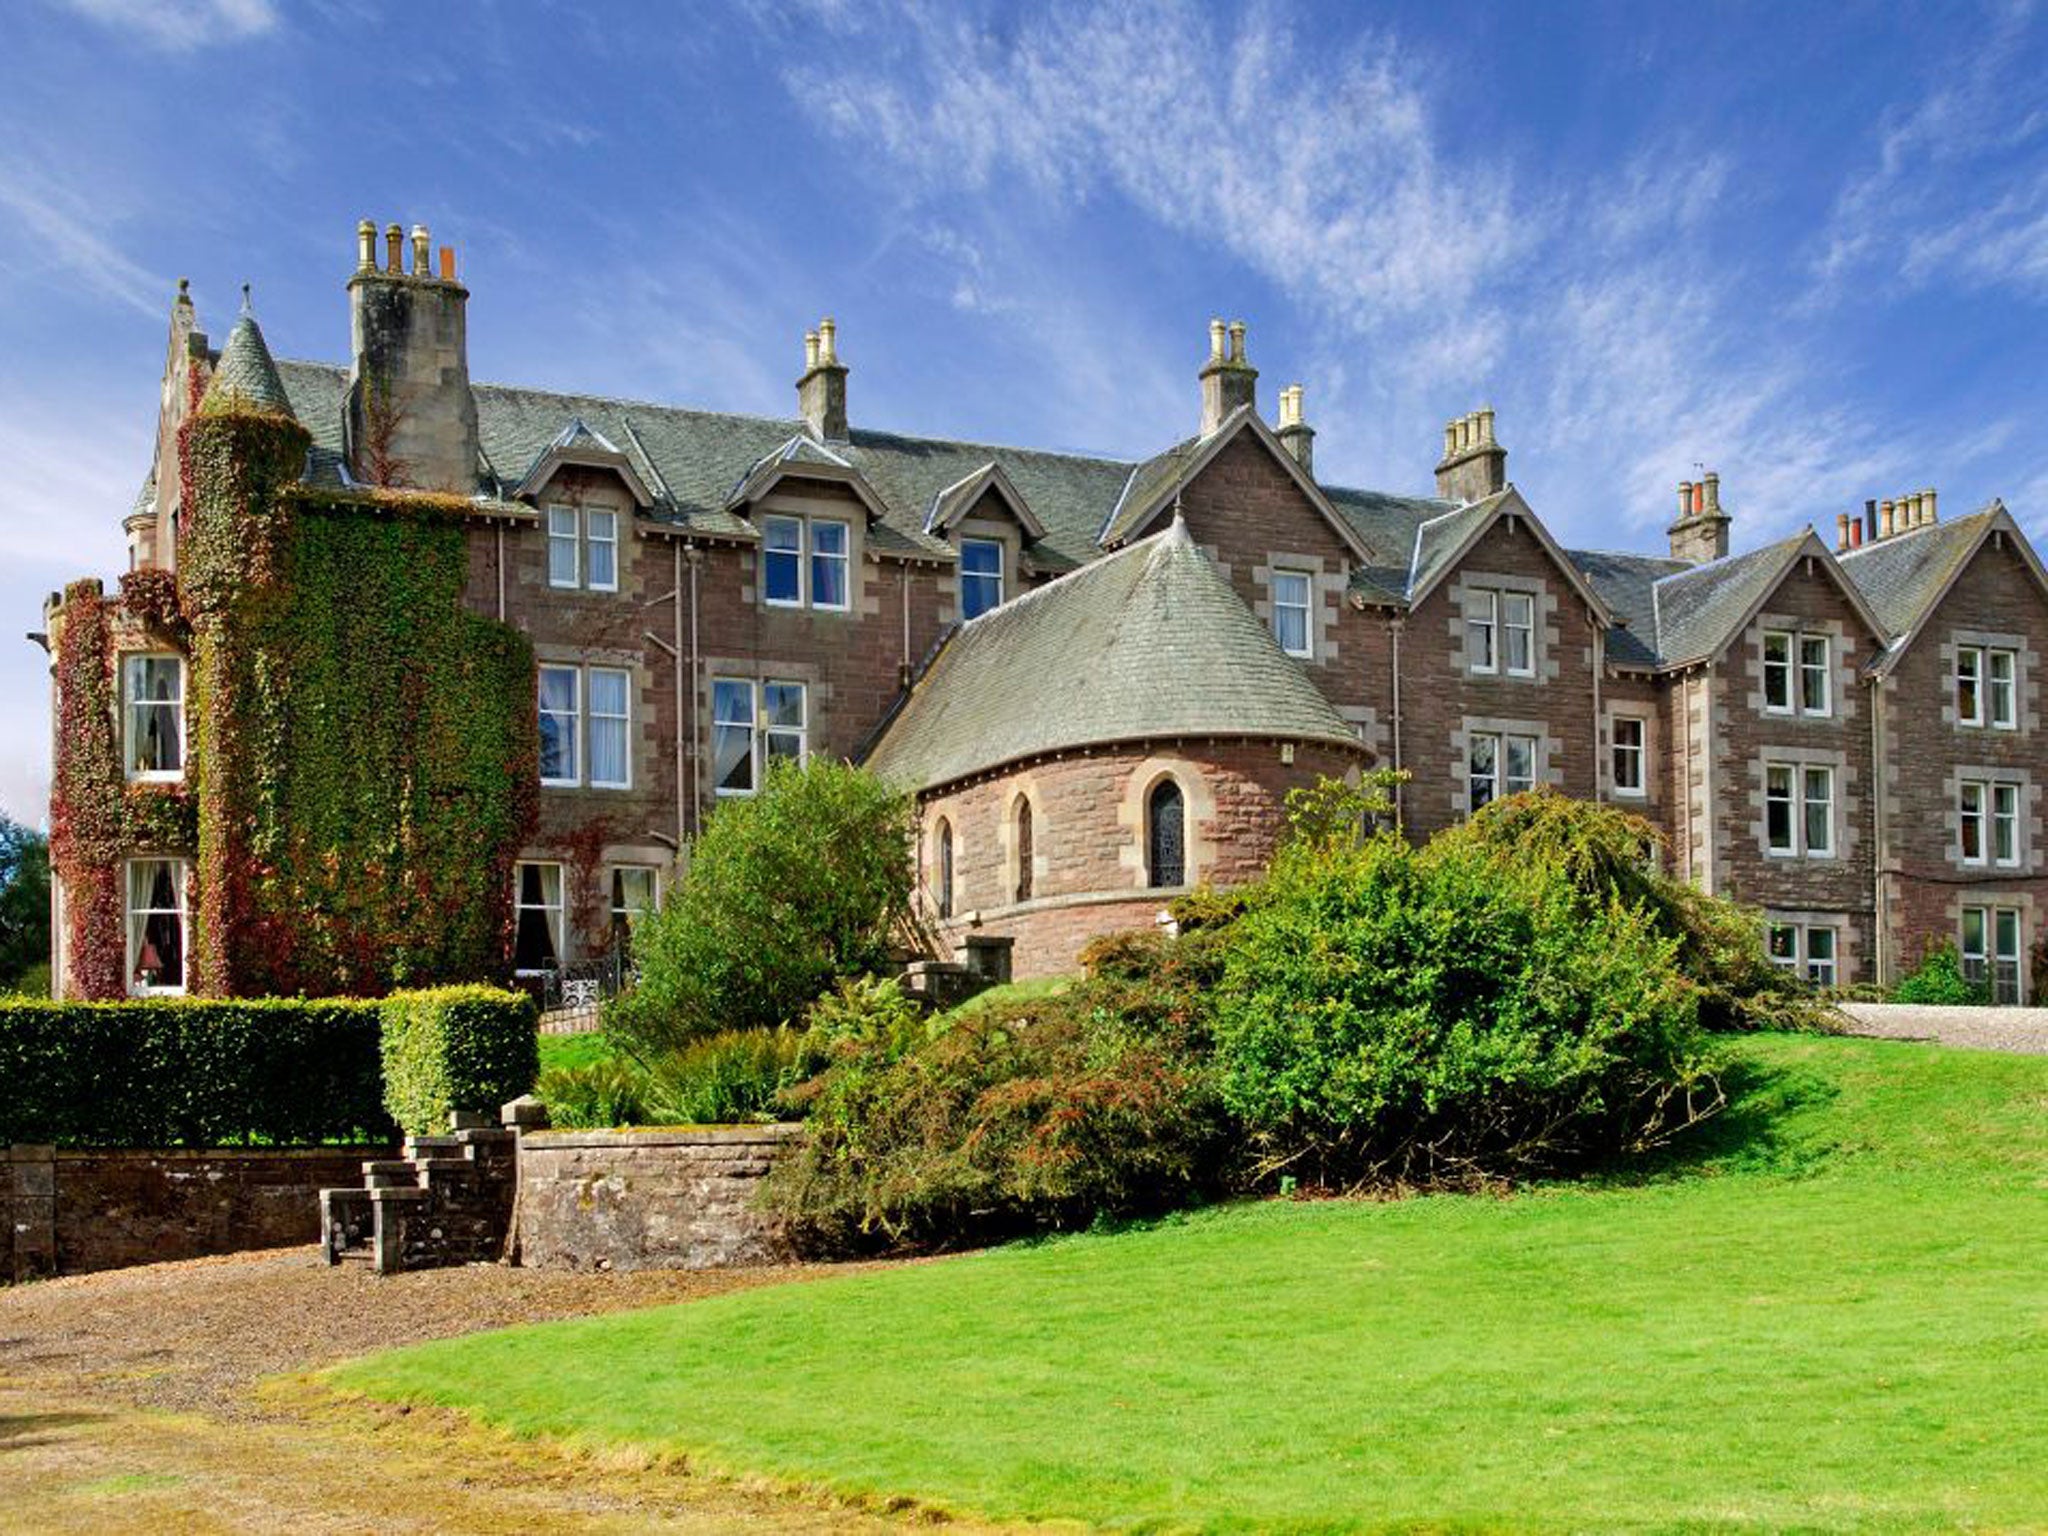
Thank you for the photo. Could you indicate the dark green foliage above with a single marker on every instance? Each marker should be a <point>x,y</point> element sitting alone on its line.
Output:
<point>1610,857</point>
<point>1388,1014</point>
<point>735,1075</point>
<point>1938,980</point>
<point>595,1095</point>
<point>787,891</point>
<point>1058,1110</point>
<point>164,1072</point>
<point>449,1048</point>
<point>24,905</point>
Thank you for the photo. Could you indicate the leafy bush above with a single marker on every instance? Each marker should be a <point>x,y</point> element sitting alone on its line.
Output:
<point>1610,857</point>
<point>449,1048</point>
<point>736,1075</point>
<point>787,891</point>
<point>1054,1110</point>
<point>1443,1014</point>
<point>164,1072</point>
<point>1938,980</point>
<point>33,983</point>
<point>595,1095</point>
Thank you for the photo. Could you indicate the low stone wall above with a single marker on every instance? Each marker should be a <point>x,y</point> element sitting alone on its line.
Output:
<point>653,1199</point>
<point>71,1212</point>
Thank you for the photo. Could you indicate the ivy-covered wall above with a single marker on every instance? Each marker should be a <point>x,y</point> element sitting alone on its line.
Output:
<point>360,749</point>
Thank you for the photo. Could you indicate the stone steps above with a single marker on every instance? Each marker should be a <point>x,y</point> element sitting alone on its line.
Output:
<point>446,1200</point>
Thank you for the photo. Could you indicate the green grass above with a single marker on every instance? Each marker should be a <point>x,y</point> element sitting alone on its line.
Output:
<point>1832,1316</point>
<point>573,1050</point>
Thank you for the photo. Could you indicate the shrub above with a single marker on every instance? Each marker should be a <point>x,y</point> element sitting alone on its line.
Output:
<point>450,1048</point>
<point>1051,1111</point>
<point>595,1095</point>
<point>1422,1016</point>
<point>787,891</point>
<point>162,1072</point>
<point>1938,980</point>
<point>1609,856</point>
<point>736,1075</point>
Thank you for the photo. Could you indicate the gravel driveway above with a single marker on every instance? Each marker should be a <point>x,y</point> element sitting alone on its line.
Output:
<point>2023,1030</point>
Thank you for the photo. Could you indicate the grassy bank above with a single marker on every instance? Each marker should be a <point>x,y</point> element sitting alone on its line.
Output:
<point>1833,1314</point>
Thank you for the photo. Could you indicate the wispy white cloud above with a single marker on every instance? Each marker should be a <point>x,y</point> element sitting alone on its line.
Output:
<point>181,26</point>
<point>58,235</point>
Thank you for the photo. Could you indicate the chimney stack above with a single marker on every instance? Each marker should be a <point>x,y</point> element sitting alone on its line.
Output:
<point>821,392</point>
<point>1701,532</point>
<point>1296,435</point>
<point>411,417</point>
<point>1228,380</point>
<point>1474,465</point>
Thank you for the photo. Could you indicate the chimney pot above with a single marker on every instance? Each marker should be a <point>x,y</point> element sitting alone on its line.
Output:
<point>1932,515</point>
<point>810,350</point>
<point>1841,531</point>
<point>420,246</point>
<point>1855,533</point>
<point>1486,424</point>
<point>828,342</point>
<point>394,248</point>
<point>1711,487</point>
<point>447,263</point>
<point>366,247</point>
<point>1869,518</point>
<point>1886,525</point>
<point>1684,499</point>
<point>1215,341</point>
<point>1237,342</point>
<point>1450,438</point>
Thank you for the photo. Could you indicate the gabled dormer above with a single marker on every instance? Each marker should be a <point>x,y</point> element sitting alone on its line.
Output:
<point>580,446</point>
<point>990,526</point>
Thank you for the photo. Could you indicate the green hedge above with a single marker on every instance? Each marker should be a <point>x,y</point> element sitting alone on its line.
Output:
<point>165,1072</point>
<point>199,1072</point>
<point>452,1048</point>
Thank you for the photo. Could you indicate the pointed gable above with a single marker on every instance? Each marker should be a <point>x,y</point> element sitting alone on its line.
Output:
<point>802,458</point>
<point>1906,576</point>
<point>1443,542</point>
<point>988,483</point>
<point>579,445</point>
<point>1701,609</point>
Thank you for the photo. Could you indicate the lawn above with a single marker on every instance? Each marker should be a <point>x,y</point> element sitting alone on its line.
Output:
<point>1832,1316</point>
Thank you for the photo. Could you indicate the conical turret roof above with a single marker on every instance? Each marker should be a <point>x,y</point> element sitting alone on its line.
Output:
<point>246,374</point>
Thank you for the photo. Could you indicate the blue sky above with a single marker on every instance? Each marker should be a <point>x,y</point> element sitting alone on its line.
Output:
<point>1804,245</point>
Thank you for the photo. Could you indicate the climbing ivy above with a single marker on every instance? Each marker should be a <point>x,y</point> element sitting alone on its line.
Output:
<point>361,748</point>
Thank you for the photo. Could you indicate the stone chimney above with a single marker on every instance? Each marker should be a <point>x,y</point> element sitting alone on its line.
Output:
<point>821,392</point>
<point>1701,532</point>
<point>411,417</point>
<point>1474,464</point>
<point>1902,514</point>
<point>1295,434</point>
<point>1228,381</point>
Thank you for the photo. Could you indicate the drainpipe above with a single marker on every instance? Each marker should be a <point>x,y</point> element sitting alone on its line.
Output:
<point>905,584</point>
<point>696,686</point>
<point>1880,885</point>
<point>1686,800</point>
<point>1707,771</point>
<point>1394,634</point>
<point>499,529</point>
<point>1600,758</point>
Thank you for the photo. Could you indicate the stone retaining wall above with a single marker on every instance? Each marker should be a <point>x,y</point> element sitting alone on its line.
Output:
<point>653,1199</point>
<point>71,1212</point>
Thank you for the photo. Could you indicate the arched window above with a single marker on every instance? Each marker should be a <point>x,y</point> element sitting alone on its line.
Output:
<point>943,874</point>
<point>1023,848</point>
<point>1166,835</point>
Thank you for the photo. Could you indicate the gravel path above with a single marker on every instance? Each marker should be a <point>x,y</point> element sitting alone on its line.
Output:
<point>2024,1030</point>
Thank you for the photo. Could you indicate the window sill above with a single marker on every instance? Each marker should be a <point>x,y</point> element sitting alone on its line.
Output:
<point>157,778</point>
<point>561,783</point>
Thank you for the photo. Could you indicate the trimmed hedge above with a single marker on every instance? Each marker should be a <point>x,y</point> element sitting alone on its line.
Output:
<point>164,1072</point>
<point>451,1048</point>
<point>202,1072</point>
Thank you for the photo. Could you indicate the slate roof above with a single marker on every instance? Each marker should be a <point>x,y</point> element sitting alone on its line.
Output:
<point>1901,575</point>
<point>697,462</point>
<point>245,371</point>
<point>1148,642</point>
<point>145,498</point>
<point>1698,608</point>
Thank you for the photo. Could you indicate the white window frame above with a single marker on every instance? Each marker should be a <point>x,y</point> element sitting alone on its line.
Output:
<point>1811,671</point>
<point>1482,633</point>
<point>1984,962</point>
<point>1809,773</point>
<point>558,909</point>
<point>1781,670</point>
<point>181,910</point>
<point>815,557</point>
<point>1511,626</point>
<point>1799,801</point>
<point>628,916</point>
<point>2002,694</point>
<point>773,730</point>
<point>571,539</point>
<point>1304,606</point>
<point>2005,824</point>
<point>622,721</point>
<point>1969,685</point>
<point>609,543</point>
<point>1638,751</point>
<point>573,715</point>
<point>770,550</point>
<point>1799,957</point>
<point>763,733</point>
<point>1498,781</point>
<point>130,705</point>
<point>1973,820</point>
<point>736,687</point>
<point>999,576</point>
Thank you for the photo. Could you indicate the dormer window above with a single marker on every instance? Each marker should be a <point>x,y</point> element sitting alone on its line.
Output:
<point>583,548</point>
<point>981,576</point>
<point>806,562</point>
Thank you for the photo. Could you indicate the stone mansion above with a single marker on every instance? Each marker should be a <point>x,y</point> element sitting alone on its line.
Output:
<point>1101,676</point>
